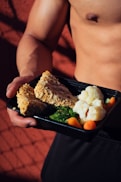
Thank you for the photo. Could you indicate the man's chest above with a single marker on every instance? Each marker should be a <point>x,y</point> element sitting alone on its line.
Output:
<point>98,10</point>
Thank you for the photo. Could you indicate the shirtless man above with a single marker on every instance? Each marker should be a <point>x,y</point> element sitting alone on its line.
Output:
<point>96,33</point>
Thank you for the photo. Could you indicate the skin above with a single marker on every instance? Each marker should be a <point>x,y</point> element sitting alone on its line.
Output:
<point>96,33</point>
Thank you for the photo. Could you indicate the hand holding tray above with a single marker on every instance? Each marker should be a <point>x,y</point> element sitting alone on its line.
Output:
<point>44,122</point>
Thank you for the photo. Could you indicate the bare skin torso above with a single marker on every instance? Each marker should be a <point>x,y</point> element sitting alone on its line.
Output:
<point>96,32</point>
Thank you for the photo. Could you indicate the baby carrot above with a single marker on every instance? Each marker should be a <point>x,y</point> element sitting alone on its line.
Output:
<point>111,101</point>
<point>89,125</point>
<point>72,121</point>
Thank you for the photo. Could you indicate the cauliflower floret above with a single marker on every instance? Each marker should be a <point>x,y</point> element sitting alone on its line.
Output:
<point>91,93</point>
<point>81,107</point>
<point>90,104</point>
<point>83,95</point>
<point>97,102</point>
<point>87,112</point>
<point>95,113</point>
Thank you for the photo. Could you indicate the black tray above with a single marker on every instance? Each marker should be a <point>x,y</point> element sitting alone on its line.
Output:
<point>43,122</point>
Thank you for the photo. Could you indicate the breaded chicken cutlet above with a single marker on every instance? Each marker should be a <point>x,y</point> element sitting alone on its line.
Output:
<point>28,104</point>
<point>50,90</point>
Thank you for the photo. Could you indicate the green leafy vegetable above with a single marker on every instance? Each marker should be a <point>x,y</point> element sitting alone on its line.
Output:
<point>62,114</point>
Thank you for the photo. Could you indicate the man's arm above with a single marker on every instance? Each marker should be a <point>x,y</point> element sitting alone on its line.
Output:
<point>44,27</point>
<point>34,52</point>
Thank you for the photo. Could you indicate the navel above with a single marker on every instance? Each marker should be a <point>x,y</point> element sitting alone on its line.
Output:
<point>92,17</point>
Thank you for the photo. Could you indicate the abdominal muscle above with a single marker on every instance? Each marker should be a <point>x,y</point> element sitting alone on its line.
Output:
<point>98,51</point>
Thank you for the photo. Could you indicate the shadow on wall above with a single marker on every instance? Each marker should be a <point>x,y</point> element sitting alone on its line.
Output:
<point>14,22</point>
<point>8,68</point>
<point>5,178</point>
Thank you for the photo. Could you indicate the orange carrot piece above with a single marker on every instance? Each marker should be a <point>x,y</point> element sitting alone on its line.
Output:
<point>112,101</point>
<point>72,121</point>
<point>89,125</point>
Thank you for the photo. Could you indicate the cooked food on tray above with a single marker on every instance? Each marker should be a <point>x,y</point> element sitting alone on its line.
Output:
<point>28,104</point>
<point>84,110</point>
<point>90,104</point>
<point>50,90</point>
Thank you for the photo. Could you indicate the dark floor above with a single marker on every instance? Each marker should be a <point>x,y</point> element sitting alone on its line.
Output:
<point>22,151</point>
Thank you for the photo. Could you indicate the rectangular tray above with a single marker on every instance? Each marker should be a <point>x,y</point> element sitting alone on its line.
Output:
<point>43,122</point>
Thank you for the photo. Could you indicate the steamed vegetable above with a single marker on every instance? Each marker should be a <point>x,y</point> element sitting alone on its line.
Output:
<point>62,114</point>
<point>89,125</point>
<point>89,109</point>
<point>90,105</point>
<point>109,103</point>
<point>90,94</point>
<point>73,121</point>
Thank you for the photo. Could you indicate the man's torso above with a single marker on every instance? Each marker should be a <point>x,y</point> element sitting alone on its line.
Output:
<point>96,32</point>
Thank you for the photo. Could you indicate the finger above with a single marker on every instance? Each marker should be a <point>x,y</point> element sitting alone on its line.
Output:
<point>11,90</point>
<point>20,121</point>
<point>15,84</point>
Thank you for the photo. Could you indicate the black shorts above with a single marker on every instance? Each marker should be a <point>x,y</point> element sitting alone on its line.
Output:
<point>75,160</point>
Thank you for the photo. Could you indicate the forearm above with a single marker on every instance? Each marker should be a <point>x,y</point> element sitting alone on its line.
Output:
<point>33,57</point>
<point>34,53</point>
